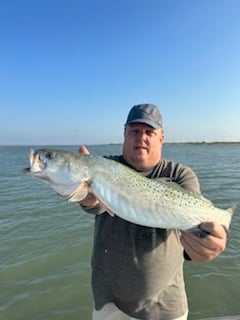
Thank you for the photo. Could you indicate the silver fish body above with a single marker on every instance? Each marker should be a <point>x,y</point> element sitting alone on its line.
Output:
<point>123,191</point>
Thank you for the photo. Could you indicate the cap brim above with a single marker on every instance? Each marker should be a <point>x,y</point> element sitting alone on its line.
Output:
<point>145,121</point>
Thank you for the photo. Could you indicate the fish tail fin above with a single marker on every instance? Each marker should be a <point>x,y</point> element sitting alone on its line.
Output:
<point>231,211</point>
<point>234,208</point>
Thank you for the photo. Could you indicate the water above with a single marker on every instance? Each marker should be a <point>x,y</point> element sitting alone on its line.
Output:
<point>46,242</point>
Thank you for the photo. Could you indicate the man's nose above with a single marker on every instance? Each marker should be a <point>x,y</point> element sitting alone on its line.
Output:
<point>141,135</point>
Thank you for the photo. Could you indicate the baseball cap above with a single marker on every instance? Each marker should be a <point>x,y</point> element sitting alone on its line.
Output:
<point>145,113</point>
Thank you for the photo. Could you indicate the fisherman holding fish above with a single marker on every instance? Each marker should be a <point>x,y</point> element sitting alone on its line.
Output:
<point>150,217</point>
<point>137,271</point>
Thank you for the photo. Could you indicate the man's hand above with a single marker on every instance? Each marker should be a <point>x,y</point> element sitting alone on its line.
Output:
<point>90,200</point>
<point>208,247</point>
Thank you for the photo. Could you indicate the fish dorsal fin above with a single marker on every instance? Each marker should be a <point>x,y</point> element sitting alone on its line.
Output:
<point>80,193</point>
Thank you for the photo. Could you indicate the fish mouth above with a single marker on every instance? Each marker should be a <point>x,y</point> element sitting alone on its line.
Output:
<point>37,164</point>
<point>27,170</point>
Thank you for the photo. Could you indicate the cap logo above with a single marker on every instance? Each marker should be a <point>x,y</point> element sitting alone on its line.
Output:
<point>153,116</point>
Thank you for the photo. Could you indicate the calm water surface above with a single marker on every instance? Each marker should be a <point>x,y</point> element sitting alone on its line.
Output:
<point>46,242</point>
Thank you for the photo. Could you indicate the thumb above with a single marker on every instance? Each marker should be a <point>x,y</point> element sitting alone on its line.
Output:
<point>84,150</point>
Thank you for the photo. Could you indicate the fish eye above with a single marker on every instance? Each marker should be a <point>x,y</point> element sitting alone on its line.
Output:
<point>50,155</point>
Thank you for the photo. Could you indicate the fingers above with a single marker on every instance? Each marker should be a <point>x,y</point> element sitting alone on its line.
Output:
<point>89,201</point>
<point>83,149</point>
<point>193,248</point>
<point>208,247</point>
<point>215,229</point>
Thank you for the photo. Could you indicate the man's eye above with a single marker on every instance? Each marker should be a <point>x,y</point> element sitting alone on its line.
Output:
<point>150,133</point>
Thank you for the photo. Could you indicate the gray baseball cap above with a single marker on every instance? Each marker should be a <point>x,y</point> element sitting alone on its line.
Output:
<point>145,113</point>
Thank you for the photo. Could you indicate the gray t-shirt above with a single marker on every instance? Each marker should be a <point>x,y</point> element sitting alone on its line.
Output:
<point>140,269</point>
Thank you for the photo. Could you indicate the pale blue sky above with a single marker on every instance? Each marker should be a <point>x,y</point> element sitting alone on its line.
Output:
<point>70,70</point>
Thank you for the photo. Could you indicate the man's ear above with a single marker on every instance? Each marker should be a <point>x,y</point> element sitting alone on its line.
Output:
<point>162,136</point>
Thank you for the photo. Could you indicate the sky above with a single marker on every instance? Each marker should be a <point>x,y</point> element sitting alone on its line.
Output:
<point>70,70</point>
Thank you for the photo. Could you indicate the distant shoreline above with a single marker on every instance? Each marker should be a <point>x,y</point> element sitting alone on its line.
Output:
<point>192,142</point>
<point>204,142</point>
<point>196,143</point>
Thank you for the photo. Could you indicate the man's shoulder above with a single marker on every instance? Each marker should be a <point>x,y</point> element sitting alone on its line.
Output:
<point>170,167</point>
<point>178,173</point>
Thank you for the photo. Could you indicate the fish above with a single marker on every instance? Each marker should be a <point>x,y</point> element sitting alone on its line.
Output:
<point>122,191</point>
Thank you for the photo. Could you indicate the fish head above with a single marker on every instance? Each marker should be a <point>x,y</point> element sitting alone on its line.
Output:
<point>64,171</point>
<point>37,163</point>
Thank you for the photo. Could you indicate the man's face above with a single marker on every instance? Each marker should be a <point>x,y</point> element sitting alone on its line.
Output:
<point>142,145</point>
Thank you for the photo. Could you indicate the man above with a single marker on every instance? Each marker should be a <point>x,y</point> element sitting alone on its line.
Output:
<point>137,272</point>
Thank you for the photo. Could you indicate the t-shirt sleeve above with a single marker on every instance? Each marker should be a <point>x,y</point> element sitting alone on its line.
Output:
<point>187,179</point>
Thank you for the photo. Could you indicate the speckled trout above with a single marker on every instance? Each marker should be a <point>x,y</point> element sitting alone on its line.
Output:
<point>123,191</point>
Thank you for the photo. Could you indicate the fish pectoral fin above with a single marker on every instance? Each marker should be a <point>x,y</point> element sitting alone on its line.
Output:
<point>80,193</point>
